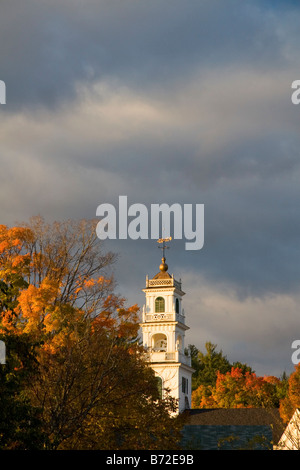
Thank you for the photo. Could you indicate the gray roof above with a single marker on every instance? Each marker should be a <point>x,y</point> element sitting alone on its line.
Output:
<point>236,428</point>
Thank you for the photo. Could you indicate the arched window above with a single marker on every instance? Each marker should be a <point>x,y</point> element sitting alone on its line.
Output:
<point>159,305</point>
<point>177,305</point>
<point>159,342</point>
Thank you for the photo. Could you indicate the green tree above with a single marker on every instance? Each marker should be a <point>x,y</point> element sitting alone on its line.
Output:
<point>20,421</point>
<point>208,364</point>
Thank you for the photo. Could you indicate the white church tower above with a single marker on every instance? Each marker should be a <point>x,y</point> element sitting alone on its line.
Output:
<point>163,330</point>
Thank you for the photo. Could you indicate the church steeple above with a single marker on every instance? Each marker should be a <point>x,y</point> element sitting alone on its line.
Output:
<point>163,329</point>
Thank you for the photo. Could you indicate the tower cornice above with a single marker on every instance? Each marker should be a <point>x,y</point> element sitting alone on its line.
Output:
<point>159,284</point>
<point>163,323</point>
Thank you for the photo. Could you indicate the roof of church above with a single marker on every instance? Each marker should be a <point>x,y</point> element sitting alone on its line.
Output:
<point>162,275</point>
<point>248,417</point>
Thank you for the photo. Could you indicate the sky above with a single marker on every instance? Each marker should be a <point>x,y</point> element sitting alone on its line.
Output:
<point>183,102</point>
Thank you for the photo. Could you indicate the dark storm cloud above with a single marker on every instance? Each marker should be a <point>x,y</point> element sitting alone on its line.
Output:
<point>47,47</point>
<point>162,101</point>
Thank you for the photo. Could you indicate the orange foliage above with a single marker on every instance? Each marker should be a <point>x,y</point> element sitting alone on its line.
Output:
<point>12,256</point>
<point>35,304</point>
<point>292,401</point>
<point>39,310</point>
<point>236,389</point>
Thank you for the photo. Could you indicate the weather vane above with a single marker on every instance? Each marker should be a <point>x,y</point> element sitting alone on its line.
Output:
<point>164,246</point>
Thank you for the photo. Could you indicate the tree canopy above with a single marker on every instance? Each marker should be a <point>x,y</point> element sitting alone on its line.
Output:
<point>219,384</point>
<point>208,364</point>
<point>291,401</point>
<point>75,375</point>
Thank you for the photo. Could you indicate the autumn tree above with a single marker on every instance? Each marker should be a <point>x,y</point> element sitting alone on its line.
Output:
<point>208,364</point>
<point>20,421</point>
<point>238,389</point>
<point>96,390</point>
<point>90,381</point>
<point>291,401</point>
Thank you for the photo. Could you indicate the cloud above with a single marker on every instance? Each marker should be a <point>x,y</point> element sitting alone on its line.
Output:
<point>257,330</point>
<point>189,104</point>
<point>228,147</point>
<point>48,47</point>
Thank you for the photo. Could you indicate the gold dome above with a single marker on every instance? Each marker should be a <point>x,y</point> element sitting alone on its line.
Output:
<point>163,266</point>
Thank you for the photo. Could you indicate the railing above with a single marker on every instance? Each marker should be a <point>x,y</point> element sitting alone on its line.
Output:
<point>150,317</point>
<point>166,356</point>
<point>163,282</point>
